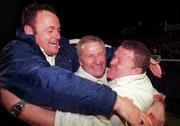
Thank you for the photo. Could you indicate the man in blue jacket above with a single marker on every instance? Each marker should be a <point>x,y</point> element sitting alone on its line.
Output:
<point>38,68</point>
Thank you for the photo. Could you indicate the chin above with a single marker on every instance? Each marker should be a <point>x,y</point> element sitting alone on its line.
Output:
<point>99,75</point>
<point>110,76</point>
<point>55,52</point>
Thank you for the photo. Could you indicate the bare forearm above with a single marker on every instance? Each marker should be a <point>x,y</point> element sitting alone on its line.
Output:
<point>32,114</point>
<point>37,116</point>
<point>124,108</point>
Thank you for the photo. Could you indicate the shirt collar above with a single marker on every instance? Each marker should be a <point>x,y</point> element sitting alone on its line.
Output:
<point>127,79</point>
<point>50,59</point>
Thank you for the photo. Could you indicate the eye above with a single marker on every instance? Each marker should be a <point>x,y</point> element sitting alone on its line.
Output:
<point>115,57</point>
<point>59,30</point>
<point>101,54</point>
<point>89,56</point>
<point>50,31</point>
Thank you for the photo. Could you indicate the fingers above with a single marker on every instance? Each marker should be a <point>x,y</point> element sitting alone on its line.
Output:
<point>158,112</point>
<point>153,61</point>
<point>155,67</point>
<point>145,120</point>
<point>156,70</point>
<point>159,120</point>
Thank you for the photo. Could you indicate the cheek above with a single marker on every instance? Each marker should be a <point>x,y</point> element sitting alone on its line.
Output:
<point>120,69</point>
<point>89,62</point>
<point>113,70</point>
<point>111,73</point>
<point>42,39</point>
<point>102,59</point>
<point>123,70</point>
<point>86,63</point>
<point>39,41</point>
<point>46,39</point>
<point>102,62</point>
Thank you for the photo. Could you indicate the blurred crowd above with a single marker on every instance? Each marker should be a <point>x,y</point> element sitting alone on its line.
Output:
<point>167,45</point>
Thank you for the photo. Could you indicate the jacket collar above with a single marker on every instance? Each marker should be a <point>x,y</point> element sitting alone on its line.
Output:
<point>24,37</point>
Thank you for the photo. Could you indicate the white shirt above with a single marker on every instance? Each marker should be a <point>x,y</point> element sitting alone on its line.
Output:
<point>136,87</point>
<point>125,86</point>
<point>50,59</point>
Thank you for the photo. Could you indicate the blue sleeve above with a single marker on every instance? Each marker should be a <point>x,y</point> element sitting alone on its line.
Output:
<point>31,78</point>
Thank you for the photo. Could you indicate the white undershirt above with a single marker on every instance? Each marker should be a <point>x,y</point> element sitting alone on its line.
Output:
<point>50,59</point>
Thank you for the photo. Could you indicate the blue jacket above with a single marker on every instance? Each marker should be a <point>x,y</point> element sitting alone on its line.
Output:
<point>25,71</point>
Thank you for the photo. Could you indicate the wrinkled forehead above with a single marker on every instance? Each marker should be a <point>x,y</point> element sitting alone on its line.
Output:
<point>124,52</point>
<point>92,49</point>
<point>45,16</point>
<point>92,45</point>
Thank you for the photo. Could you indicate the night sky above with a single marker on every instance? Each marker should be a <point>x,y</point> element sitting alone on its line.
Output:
<point>107,19</point>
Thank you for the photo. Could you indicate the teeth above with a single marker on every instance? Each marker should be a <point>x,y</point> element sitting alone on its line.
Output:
<point>97,68</point>
<point>54,45</point>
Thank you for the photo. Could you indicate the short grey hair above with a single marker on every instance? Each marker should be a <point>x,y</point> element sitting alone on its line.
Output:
<point>88,39</point>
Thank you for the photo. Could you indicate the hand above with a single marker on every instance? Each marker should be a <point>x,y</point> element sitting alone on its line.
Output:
<point>125,109</point>
<point>145,120</point>
<point>8,99</point>
<point>158,111</point>
<point>155,68</point>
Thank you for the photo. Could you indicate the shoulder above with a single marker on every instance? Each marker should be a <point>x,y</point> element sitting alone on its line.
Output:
<point>64,41</point>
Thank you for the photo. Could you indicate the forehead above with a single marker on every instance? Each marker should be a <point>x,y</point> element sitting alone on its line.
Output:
<point>91,48</point>
<point>123,52</point>
<point>47,18</point>
<point>92,45</point>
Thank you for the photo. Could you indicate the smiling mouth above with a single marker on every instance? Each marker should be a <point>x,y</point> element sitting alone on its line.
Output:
<point>55,44</point>
<point>97,68</point>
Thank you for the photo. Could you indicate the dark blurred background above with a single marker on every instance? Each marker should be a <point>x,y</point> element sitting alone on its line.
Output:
<point>109,20</point>
<point>157,24</point>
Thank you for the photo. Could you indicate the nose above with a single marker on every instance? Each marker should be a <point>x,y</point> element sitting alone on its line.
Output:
<point>101,61</point>
<point>57,35</point>
<point>114,61</point>
<point>97,60</point>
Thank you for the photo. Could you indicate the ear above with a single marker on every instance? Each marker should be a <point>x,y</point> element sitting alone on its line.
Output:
<point>28,30</point>
<point>138,70</point>
<point>80,62</point>
<point>80,59</point>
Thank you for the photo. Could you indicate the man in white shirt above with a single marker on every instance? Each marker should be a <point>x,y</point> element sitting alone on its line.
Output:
<point>128,74</point>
